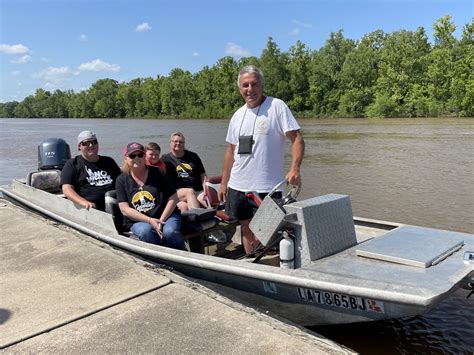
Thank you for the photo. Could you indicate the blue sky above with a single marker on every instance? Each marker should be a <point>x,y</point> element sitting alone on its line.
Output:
<point>59,44</point>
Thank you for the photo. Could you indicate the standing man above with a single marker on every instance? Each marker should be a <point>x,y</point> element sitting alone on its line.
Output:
<point>86,178</point>
<point>254,158</point>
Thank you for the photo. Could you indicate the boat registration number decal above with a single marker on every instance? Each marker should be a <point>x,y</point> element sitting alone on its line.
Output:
<point>340,300</point>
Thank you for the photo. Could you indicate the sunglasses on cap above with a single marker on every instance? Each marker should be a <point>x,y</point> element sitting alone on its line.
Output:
<point>88,143</point>
<point>133,156</point>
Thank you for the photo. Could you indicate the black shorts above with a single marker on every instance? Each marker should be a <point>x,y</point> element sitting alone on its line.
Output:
<point>240,207</point>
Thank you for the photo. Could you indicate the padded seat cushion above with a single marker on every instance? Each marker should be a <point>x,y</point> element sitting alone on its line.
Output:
<point>47,180</point>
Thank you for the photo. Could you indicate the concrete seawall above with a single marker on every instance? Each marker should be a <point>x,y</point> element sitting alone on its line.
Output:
<point>61,291</point>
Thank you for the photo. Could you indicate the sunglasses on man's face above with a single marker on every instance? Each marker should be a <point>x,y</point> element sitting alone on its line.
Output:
<point>133,156</point>
<point>88,143</point>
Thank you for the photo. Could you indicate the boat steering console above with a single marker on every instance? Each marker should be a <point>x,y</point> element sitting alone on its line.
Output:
<point>290,193</point>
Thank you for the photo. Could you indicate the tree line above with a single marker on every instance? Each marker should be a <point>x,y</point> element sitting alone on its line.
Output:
<point>397,74</point>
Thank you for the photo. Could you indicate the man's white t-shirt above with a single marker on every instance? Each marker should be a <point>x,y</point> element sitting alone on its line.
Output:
<point>262,169</point>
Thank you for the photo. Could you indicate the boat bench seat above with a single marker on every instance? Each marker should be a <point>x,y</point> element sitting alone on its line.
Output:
<point>211,188</point>
<point>194,223</point>
<point>46,180</point>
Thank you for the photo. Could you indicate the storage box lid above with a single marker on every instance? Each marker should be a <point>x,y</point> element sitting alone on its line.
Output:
<point>410,245</point>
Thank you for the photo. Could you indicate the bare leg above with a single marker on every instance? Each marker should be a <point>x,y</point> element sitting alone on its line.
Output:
<point>187,195</point>
<point>201,199</point>
<point>182,206</point>
<point>248,238</point>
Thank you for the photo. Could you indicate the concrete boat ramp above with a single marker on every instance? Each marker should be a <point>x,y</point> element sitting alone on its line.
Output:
<point>61,291</point>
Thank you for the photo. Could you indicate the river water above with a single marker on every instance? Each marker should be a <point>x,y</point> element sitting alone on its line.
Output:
<point>414,171</point>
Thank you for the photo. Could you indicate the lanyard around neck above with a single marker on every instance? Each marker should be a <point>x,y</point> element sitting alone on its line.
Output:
<point>254,121</point>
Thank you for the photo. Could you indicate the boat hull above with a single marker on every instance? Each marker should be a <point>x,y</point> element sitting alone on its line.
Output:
<point>292,301</point>
<point>307,297</point>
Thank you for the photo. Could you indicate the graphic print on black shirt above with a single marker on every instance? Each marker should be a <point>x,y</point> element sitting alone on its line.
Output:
<point>185,171</point>
<point>143,201</point>
<point>91,180</point>
<point>150,199</point>
<point>98,177</point>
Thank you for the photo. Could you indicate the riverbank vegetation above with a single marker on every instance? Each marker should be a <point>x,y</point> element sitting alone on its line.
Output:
<point>397,74</point>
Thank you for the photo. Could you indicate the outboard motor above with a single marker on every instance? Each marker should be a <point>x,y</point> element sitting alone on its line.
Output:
<point>53,154</point>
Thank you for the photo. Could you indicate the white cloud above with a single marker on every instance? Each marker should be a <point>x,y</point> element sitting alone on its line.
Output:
<point>236,51</point>
<point>143,27</point>
<point>98,65</point>
<point>302,24</point>
<point>14,49</point>
<point>83,38</point>
<point>298,25</point>
<point>55,75</point>
<point>15,73</point>
<point>51,85</point>
<point>22,60</point>
<point>294,32</point>
<point>195,54</point>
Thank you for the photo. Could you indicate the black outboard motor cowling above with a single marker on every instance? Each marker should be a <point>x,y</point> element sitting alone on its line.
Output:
<point>53,154</point>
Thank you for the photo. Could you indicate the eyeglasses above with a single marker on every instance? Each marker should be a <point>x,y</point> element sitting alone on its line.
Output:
<point>176,142</point>
<point>88,143</point>
<point>133,156</point>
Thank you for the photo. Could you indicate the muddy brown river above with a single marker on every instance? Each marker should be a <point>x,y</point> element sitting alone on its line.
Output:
<point>414,171</point>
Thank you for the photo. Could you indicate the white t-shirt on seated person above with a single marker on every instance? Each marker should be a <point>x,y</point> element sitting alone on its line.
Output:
<point>262,169</point>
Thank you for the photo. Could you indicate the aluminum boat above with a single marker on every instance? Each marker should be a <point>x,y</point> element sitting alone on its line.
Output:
<point>334,268</point>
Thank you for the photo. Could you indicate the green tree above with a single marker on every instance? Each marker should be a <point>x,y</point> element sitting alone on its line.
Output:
<point>325,74</point>
<point>7,109</point>
<point>128,98</point>
<point>102,96</point>
<point>59,104</point>
<point>151,94</point>
<point>394,74</point>
<point>247,61</point>
<point>226,71</point>
<point>440,70</point>
<point>300,58</point>
<point>274,65</point>
<point>25,109</point>
<point>80,105</point>
<point>403,62</point>
<point>359,74</point>
<point>40,105</point>
<point>444,32</point>
<point>206,93</point>
<point>177,93</point>
<point>462,82</point>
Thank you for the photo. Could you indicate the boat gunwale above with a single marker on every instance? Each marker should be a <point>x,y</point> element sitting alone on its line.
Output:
<point>238,268</point>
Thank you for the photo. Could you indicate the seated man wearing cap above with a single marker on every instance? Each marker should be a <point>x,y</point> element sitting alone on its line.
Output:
<point>86,178</point>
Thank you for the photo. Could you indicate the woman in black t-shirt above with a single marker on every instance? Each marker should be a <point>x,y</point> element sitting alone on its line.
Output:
<point>148,201</point>
<point>186,172</point>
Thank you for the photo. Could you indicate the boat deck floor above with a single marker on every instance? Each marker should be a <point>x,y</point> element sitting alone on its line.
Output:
<point>235,251</point>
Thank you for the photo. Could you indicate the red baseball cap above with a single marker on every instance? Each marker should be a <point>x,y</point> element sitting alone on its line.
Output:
<point>133,147</point>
